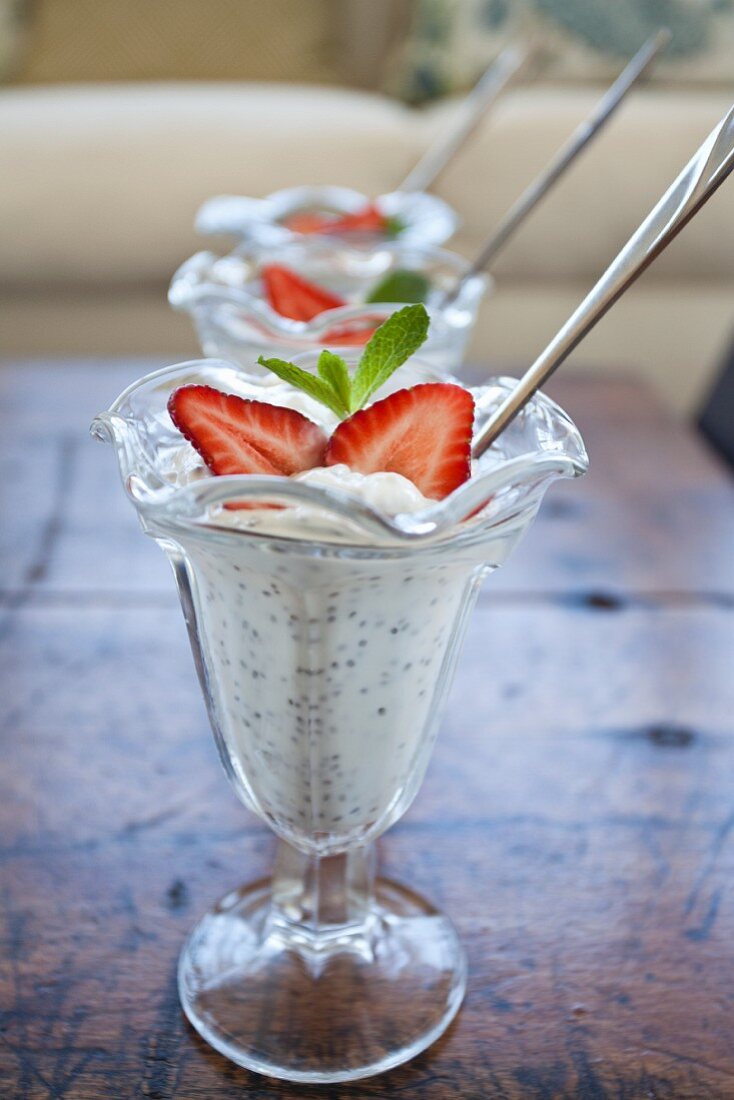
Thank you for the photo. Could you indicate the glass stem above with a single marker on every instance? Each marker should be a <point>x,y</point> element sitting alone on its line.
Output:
<point>323,894</point>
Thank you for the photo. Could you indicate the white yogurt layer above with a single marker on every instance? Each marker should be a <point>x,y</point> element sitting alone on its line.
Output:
<point>387,492</point>
<point>391,493</point>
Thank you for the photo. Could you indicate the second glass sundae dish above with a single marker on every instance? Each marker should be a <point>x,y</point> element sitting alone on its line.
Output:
<point>329,531</point>
<point>312,294</point>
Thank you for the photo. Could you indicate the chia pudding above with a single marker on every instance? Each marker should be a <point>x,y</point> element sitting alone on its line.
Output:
<point>326,665</point>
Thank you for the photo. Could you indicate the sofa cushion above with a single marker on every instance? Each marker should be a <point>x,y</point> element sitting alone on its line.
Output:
<point>106,180</point>
<point>582,223</point>
<point>216,40</point>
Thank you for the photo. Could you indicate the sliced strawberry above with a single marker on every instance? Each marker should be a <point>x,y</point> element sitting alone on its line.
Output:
<point>350,337</point>
<point>367,220</point>
<point>237,436</point>
<point>423,433</point>
<point>291,296</point>
<point>307,222</point>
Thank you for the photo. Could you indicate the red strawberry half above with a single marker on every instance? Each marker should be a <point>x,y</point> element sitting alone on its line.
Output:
<point>307,222</point>
<point>237,436</point>
<point>350,337</point>
<point>291,296</point>
<point>367,220</point>
<point>423,433</point>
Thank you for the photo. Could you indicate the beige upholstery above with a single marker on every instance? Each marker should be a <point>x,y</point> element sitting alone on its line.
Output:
<point>97,211</point>
<point>107,180</point>
<point>102,40</point>
<point>609,190</point>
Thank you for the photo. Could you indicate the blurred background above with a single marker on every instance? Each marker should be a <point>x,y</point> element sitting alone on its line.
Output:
<point>118,118</point>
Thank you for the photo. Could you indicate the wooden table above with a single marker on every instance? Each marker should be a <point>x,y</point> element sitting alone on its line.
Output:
<point>576,822</point>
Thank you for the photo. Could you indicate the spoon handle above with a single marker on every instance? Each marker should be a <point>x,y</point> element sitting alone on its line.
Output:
<point>470,112</point>
<point>703,174</point>
<point>564,158</point>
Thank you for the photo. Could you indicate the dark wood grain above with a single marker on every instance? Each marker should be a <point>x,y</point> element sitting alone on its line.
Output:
<point>576,821</point>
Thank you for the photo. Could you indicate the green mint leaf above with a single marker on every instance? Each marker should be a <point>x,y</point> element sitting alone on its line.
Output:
<point>303,380</point>
<point>394,226</point>
<point>401,286</point>
<point>335,373</point>
<point>395,341</point>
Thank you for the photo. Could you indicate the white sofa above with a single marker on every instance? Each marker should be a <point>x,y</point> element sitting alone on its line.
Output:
<point>97,206</point>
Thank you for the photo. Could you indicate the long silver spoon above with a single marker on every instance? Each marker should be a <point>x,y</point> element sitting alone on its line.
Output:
<point>703,174</point>
<point>468,116</point>
<point>564,158</point>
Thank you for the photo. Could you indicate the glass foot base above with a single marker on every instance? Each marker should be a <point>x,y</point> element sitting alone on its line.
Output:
<point>332,1006</point>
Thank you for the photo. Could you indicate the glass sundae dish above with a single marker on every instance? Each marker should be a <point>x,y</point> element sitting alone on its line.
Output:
<point>313,294</point>
<point>326,589</point>
<point>410,217</point>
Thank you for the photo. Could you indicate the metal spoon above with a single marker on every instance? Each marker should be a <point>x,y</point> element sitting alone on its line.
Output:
<point>703,174</point>
<point>564,158</point>
<point>486,90</point>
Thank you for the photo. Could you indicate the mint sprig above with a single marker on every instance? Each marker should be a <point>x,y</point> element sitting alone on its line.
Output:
<point>315,387</point>
<point>392,344</point>
<point>394,226</point>
<point>395,341</point>
<point>334,372</point>
<point>401,285</point>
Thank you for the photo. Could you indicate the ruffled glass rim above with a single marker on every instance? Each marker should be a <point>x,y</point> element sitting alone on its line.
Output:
<point>208,279</point>
<point>488,506</point>
<point>427,219</point>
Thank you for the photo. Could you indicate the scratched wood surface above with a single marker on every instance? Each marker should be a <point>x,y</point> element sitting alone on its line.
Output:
<point>576,821</point>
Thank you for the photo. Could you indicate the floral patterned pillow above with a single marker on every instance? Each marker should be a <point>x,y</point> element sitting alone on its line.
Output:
<point>452,41</point>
